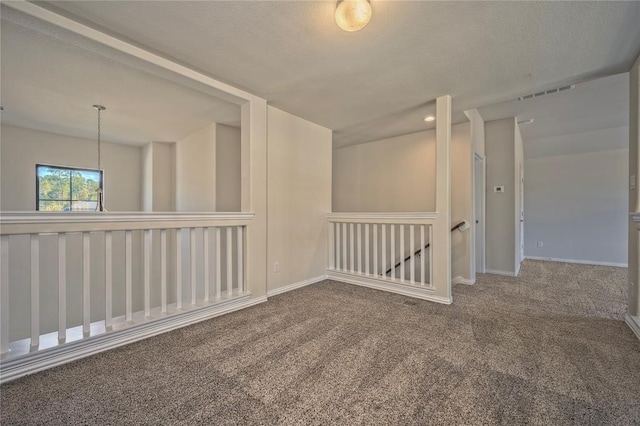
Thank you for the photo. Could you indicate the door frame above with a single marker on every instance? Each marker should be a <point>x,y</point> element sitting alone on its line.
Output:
<point>478,230</point>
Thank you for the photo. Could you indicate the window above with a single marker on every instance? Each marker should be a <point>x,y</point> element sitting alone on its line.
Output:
<point>63,189</point>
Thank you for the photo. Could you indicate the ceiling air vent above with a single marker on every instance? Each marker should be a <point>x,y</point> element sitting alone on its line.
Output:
<point>546,92</point>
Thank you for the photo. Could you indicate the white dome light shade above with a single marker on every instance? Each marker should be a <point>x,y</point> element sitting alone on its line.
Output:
<point>353,15</point>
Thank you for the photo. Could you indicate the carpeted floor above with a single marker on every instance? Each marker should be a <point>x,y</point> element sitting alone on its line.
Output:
<point>547,348</point>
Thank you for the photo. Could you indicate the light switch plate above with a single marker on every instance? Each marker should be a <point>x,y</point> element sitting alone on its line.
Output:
<point>498,188</point>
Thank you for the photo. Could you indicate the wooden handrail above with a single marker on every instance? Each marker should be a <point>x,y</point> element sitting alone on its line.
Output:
<point>417,252</point>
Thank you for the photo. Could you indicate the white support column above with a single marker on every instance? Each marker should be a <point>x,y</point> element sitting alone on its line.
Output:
<point>86,283</point>
<point>4,294</point>
<point>440,249</point>
<point>108,279</point>
<point>62,287</point>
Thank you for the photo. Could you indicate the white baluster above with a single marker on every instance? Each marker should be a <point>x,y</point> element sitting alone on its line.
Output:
<point>62,287</point>
<point>375,249</point>
<point>240,259</point>
<point>128,276</point>
<point>402,257</point>
<point>345,265</point>
<point>359,234</point>
<point>218,266</point>
<point>163,270</point>
<point>393,250</point>
<point>205,262</point>
<point>229,262</point>
<point>147,271</point>
<point>366,248</point>
<point>351,248</point>
<point>178,268</point>
<point>423,255</point>
<point>431,248</point>
<point>192,258</point>
<point>86,283</point>
<point>332,246</point>
<point>108,280</point>
<point>338,246</point>
<point>412,246</point>
<point>4,294</point>
<point>384,250</point>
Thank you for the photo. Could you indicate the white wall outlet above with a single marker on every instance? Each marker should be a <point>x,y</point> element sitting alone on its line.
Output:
<point>276,266</point>
<point>499,189</point>
<point>540,245</point>
<point>632,182</point>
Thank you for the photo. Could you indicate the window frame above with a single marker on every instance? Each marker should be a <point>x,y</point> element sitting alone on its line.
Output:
<point>66,168</point>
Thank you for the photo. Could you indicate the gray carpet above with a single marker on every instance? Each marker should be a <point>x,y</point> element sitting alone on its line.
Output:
<point>547,348</point>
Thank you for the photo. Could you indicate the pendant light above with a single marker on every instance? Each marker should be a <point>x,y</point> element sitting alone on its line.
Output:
<point>100,203</point>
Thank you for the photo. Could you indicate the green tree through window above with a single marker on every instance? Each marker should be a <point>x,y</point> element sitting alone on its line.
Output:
<point>61,189</point>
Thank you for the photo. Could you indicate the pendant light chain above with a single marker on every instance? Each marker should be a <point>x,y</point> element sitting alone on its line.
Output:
<point>99,138</point>
<point>100,203</point>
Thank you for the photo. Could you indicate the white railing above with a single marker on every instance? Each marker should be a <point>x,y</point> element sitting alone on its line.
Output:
<point>390,247</point>
<point>70,276</point>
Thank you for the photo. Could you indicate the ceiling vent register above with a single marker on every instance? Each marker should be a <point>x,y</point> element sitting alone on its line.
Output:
<point>546,92</point>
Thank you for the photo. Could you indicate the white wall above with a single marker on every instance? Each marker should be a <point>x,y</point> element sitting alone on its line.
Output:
<point>576,205</point>
<point>461,198</point>
<point>398,175</point>
<point>299,198</point>
<point>389,175</point>
<point>634,200</point>
<point>196,171</point>
<point>227,168</point>
<point>501,214</point>
<point>21,149</point>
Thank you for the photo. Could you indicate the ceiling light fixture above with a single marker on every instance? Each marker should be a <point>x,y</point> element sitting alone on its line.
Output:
<point>100,203</point>
<point>429,118</point>
<point>529,121</point>
<point>353,15</point>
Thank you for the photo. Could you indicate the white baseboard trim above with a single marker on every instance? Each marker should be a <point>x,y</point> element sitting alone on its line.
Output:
<point>497,272</point>
<point>462,280</point>
<point>390,286</point>
<point>634,324</point>
<point>13,368</point>
<point>276,291</point>
<point>581,262</point>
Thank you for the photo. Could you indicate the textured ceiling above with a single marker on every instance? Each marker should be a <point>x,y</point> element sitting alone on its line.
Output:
<point>592,105</point>
<point>380,81</point>
<point>372,84</point>
<point>49,82</point>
